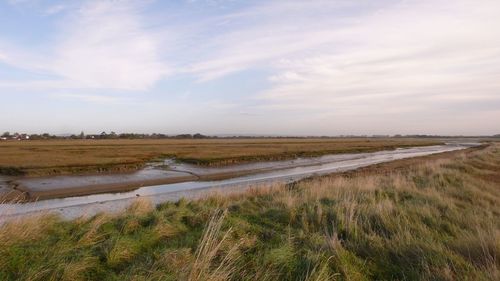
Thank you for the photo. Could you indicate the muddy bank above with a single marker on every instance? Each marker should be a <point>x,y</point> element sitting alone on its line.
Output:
<point>171,172</point>
<point>35,189</point>
<point>77,157</point>
<point>8,193</point>
<point>72,207</point>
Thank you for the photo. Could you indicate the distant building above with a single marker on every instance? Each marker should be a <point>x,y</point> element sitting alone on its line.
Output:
<point>18,136</point>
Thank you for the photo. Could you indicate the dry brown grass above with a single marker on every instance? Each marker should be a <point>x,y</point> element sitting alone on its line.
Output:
<point>26,229</point>
<point>75,271</point>
<point>436,219</point>
<point>93,235</point>
<point>140,206</point>
<point>210,264</point>
<point>81,156</point>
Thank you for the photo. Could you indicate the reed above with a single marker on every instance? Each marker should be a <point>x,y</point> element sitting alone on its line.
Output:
<point>55,157</point>
<point>434,219</point>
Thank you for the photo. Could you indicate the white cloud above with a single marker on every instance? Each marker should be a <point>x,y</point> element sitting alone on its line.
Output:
<point>104,45</point>
<point>356,64</point>
<point>55,9</point>
<point>269,31</point>
<point>17,2</point>
<point>390,59</point>
<point>412,57</point>
<point>93,98</point>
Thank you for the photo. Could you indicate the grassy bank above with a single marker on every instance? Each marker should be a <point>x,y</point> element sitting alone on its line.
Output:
<point>434,219</point>
<point>52,157</point>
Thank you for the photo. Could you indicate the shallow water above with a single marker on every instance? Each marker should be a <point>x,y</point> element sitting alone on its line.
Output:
<point>64,182</point>
<point>4,186</point>
<point>73,207</point>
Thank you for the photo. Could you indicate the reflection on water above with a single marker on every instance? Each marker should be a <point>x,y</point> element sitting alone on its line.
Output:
<point>89,205</point>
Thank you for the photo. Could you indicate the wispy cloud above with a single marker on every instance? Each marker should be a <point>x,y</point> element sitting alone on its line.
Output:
<point>392,58</point>
<point>102,45</point>
<point>94,98</point>
<point>55,9</point>
<point>106,47</point>
<point>333,63</point>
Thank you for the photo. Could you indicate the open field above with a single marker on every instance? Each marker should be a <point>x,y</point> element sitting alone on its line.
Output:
<point>52,157</point>
<point>430,218</point>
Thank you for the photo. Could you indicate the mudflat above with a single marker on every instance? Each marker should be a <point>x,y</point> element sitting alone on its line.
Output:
<point>68,186</point>
<point>63,157</point>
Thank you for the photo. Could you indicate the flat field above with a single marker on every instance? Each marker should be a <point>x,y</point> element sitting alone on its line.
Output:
<point>52,157</point>
<point>430,218</point>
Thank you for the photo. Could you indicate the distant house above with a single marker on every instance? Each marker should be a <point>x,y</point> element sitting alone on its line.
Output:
<point>17,136</point>
<point>3,138</point>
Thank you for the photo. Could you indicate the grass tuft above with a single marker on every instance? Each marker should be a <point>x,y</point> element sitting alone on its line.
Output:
<point>213,262</point>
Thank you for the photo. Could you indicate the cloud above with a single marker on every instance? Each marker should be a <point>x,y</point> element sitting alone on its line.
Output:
<point>94,98</point>
<point>55,9</point>
<point>365,63</point>
<point>372,38</point>
<point>329,63</point>
<point>259,35</point>
<point>106,47</point>
<point>17,2</point>
<point>103,45</point>
<point>414,57</point>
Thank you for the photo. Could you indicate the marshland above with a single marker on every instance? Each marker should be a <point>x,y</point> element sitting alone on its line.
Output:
<point>118,165</point>
<point>428,218</point>
<point>56,157</point>
<point>230,140</point>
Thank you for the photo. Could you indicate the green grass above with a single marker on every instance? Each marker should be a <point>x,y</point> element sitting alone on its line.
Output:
<point>436,219</point>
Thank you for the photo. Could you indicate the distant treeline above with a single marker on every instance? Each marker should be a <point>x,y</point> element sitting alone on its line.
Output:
<point>103,135</point>
<point>113,135</point>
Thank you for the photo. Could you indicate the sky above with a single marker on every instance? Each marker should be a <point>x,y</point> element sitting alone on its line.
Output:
<point>294,67</point>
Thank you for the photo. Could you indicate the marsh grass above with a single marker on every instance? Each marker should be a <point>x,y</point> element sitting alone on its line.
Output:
<point>53,157</point>
<point>432,220</point>
<point>208,251</point>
